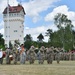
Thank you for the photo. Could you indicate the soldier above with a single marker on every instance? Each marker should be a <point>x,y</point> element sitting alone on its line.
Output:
<point>31,55</point>
<point>41,55</point>
<point>8,53</point>
<point>1,58</point>
<point>72,55</point>
<point>49,55</point>
<point>57,55</point>
<point>22,55</point>
<point>15,54</point>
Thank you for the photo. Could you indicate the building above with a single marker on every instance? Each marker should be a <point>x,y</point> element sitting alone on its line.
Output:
<point>13,24</point>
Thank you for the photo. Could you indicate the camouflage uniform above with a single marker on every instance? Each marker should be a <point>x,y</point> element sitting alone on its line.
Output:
<point>15,55</point>
<point>57,55</point>
<point>49,55</point>
<point>8,53</point>
<point>41,55</point>
<point>72,56</point>
<point>31,55</point>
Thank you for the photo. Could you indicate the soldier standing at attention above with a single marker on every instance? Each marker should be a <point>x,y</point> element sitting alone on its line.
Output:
<point>49,55</point>
<point>15,54</point>
<point>8,53</point>
<point>41,55</point>
<point>57,55</point>
<point>31,55</point>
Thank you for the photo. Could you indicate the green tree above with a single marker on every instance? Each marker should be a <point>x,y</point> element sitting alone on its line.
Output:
<point>1,41</point>
<point>28,37</point>
<point>40,37</point>
<point>49,34</point>
<point>28,41</point>
<point>65,27</point>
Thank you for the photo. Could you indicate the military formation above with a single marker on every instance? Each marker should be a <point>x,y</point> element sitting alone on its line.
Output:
<point>21,55</point>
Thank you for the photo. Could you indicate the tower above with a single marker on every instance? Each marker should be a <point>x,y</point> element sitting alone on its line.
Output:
<point>15,30</point>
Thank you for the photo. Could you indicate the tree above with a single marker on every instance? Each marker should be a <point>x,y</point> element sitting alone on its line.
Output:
<point>28,37</point>
<point>1,41</point>
<point>65,27</point>
<point>49,34</point>
<point>40,37</point>
<point>28,41</point>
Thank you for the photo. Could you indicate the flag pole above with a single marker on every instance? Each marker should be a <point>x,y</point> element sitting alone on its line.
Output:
<point>8,23</point>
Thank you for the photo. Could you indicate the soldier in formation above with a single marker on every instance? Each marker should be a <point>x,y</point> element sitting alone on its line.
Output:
<point>49,55</point>
<point>8,55</point>
<point>31,54</point>
<point>15,54</point>
<point>57,56</point>
<point>41,55</point>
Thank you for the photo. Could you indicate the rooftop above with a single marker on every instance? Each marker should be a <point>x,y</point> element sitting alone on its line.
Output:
<point>14,9</point>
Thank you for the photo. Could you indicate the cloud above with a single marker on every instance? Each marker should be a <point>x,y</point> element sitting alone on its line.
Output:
<point>2,31</point>
<point>1,24</point>
<point>61,9</point>
<point>34,7</point>
<point>37,30</point>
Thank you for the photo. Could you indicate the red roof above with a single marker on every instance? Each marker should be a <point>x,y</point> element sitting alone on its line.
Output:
<point>14,9</point>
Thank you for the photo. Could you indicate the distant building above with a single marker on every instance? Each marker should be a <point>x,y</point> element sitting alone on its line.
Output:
<point>15,29</point>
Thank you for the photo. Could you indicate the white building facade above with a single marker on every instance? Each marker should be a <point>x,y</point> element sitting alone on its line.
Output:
<point>14,30</point>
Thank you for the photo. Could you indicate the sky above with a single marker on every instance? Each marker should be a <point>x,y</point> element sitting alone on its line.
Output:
<point>39,15</point>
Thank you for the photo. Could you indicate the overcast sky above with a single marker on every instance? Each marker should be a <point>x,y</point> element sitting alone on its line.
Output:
<point>39,14</point>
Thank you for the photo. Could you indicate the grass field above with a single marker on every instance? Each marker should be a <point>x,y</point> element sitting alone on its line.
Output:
<point>64,68</point>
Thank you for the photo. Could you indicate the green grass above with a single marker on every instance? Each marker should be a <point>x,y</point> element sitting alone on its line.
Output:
<point>64,68</point>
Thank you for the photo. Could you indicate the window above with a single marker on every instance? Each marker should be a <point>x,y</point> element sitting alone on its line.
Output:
<point>22,31</point>
<point>14,14</point>
<point>4,14</point>
<point>20,35</point>
<point>15,30</point>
